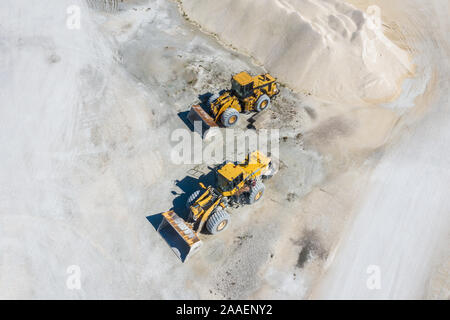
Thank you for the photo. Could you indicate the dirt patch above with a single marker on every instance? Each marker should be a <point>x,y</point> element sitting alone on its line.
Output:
<point>311,248</point>
<point>239,241</point>
<point>332,129</point>
<point>291,196</point>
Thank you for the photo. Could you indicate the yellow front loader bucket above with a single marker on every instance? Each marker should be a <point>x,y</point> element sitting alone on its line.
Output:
<point>179,235</point>
<point>197,114</point>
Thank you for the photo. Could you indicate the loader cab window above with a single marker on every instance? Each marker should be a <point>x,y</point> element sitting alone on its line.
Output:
<point>223,183</point>
<point>238,180</point>
<point>226,185</point>
<point>241,91</point>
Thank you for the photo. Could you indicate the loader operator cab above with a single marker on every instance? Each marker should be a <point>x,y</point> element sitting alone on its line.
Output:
<point>242,85</point>
<point>229,176</point>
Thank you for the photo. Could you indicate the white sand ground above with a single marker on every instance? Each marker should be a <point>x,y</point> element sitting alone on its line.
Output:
<point>86,120</point>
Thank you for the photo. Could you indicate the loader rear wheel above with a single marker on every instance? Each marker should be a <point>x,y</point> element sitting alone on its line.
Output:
<point>256,193</point>
<point>194,196</point>
<point>218,221</point>
<point>230,117</point>
<point>262,103</point>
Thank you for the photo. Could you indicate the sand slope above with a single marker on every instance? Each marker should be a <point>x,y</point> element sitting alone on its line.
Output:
<point>401,225</point>
<point>347,56</point>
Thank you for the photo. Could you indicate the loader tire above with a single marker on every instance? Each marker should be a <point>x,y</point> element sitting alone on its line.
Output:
<point>194,196</point>
<point>213,98</point>
<point>218,221</point>
<point>256,193</point>
<point>262,103</point>
<point>230,117</point>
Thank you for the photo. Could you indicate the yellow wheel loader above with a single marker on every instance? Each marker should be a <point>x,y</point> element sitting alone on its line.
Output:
<point>247,94</point>
<point>236,184</point>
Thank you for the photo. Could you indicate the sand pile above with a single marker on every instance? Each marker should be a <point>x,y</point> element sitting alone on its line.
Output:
<point>324,47</point>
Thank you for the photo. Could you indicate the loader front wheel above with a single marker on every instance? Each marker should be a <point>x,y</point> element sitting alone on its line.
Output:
<point>256,193</point>
<point>218,221</point>
<point>263,103</point>
<point>230,117</point>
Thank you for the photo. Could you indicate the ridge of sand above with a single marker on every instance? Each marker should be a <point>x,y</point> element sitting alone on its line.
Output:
<point>358,63</point>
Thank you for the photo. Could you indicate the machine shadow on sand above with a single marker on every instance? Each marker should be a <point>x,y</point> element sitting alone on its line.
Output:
<point>188,185</point>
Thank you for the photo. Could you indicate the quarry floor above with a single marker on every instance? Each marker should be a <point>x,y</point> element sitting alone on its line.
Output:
<point>83,184</point>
